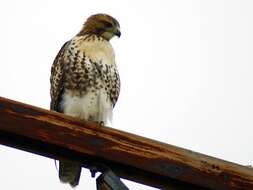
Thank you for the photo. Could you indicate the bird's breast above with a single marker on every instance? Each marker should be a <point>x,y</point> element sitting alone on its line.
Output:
<point>91,82</point>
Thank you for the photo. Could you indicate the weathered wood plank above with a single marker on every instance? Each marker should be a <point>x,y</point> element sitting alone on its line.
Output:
<point>132,157</point>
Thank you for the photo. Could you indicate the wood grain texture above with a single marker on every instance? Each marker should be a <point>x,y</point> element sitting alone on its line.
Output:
<point>130,156</point>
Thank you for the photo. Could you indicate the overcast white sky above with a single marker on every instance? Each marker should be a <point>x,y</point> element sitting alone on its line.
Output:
<point>185,66</point>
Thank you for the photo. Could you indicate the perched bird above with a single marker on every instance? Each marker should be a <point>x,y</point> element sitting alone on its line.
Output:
<point>84,80</point>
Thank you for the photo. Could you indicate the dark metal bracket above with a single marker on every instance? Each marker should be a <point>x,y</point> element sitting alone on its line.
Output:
<point>110,181</point>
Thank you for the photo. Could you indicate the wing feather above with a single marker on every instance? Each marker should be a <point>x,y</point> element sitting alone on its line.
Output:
<point>56,79</point>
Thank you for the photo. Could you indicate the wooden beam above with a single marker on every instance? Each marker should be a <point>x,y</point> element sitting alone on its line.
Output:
<point>130,156</point>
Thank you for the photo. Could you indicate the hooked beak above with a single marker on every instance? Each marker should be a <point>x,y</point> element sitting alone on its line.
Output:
<point>118,33</point>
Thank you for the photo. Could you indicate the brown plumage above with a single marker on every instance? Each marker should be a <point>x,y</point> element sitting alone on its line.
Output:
<point>85,81</point>
<point>97,24</point>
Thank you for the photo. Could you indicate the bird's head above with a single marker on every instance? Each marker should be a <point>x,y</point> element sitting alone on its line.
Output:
<point>101,25</point>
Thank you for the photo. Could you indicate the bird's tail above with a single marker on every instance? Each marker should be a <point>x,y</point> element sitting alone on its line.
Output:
<point>69,172</point>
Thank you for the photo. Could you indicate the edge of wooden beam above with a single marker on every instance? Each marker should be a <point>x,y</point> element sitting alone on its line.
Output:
<point>132,157</point>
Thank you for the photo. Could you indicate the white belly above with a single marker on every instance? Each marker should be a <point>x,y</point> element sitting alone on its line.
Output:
<point>93,106</point>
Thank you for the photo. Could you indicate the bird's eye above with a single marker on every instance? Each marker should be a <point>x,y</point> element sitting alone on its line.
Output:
<point>108,24</point>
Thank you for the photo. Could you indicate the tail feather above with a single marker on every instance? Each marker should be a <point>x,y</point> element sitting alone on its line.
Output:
<point>69,172</point>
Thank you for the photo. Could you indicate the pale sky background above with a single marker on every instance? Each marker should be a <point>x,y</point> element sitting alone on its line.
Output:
<point>186,73</point>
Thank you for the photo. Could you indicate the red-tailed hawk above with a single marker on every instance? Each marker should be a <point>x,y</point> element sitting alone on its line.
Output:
<point>85,81</point>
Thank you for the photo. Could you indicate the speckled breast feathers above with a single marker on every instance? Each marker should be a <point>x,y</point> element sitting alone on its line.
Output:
<point>85,64</point>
